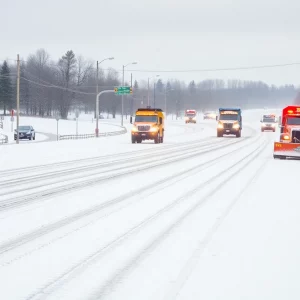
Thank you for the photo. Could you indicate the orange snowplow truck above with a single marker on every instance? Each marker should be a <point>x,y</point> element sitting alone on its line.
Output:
<point>289,144</point>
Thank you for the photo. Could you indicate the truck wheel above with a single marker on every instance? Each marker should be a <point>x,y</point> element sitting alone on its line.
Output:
<point>162,139</point>
<point>157,139</point>
<point>139,141</point>
<point>238,135</point>
<point>219,134</point>
<point>34,137</point>
<point>132,140</point>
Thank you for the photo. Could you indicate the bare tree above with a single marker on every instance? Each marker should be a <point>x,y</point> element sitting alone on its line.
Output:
<point>37,70</point>
<point>67,78</point>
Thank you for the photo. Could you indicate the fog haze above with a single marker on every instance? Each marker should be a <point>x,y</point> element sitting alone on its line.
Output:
<point>162,35</point>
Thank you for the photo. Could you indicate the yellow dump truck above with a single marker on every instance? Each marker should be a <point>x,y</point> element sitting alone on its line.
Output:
<point>148,125</point>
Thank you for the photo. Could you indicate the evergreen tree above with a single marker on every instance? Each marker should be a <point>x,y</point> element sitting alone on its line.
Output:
<point>192,88</point>
<point>159,86</point>
<point>6,90</point>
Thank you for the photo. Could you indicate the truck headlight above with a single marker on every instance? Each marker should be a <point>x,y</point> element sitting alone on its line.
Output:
<point>134,129</point>
<point>236,125</point>
<point>286,137</point>
<point>220,125</point>
<point>153,129</point>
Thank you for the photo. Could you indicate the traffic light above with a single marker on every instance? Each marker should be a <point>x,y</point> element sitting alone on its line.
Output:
<point>130,90</point>
<point>116,89</point>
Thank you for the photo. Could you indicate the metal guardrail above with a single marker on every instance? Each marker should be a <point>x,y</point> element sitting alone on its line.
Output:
<point>91,135</point>
<point>3,139</point>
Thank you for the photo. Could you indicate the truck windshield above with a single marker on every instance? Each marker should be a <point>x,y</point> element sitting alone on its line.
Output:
<point>293,121</point>
<point>268,120</point>
<point>146,119</point>
<point>190,115</point>
<point>228,117</point>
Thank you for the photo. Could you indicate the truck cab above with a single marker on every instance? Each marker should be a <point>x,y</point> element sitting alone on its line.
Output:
<point>190,116</point>
<point>289,141</point>
<point>148,125</point>
<point>229,122</point>
<point>268,122</point>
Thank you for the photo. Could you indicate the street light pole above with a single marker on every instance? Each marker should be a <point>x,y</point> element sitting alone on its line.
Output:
<point>148,93</point>
<point>18,97</point>
<point>154,93</point>
<point>149,88</point>
<point>97,91</point>
<point>166,100</point>
<point>97,103</point>
<point>97,86</point>
<point>122,98</point>
<point>124,66</point>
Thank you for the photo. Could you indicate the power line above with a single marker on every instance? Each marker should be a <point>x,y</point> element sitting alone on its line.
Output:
<point>197,70</point>
<point>8,76</point>
<point>78,87</point>
<point>57,87</point>
<point>218,69</point>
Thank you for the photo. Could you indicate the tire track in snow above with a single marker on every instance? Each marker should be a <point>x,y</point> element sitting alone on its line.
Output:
<point>158,185</point>
<point>120,275</point>
<point>131,169</point>
<point>161,147</point>
<point>25,179</point>
<point>186,272</point>
<point>75,270</point>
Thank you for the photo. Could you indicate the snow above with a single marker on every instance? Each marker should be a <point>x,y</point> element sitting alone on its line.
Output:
<point>195,217</point>
<point>46,128</point>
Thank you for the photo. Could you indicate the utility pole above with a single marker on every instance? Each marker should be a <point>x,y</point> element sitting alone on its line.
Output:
<point>122,98</point>
<point>97,103</point>
<point>154,94</point>
<point>148,93</point>
<point>166,100</point>
<point>18,96</point>
<point>131,108</point>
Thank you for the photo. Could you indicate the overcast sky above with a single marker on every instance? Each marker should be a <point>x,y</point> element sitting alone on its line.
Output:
<point>161,35</point>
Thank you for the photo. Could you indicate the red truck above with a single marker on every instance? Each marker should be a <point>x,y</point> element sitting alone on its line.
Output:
<point>190,116</point>
<point>289,124</point>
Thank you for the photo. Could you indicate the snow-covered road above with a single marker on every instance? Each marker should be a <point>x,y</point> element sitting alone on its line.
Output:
<point>196,217</point>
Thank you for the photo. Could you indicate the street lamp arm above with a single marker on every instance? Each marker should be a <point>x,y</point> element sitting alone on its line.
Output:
<point>108,58</point>
<point>97,108</point>
<point>132,63</point>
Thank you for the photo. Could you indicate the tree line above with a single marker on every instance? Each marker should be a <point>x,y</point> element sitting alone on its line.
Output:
<point>49,88</point>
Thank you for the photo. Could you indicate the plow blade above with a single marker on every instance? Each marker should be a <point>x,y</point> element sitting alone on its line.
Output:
<point>284,150</point>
